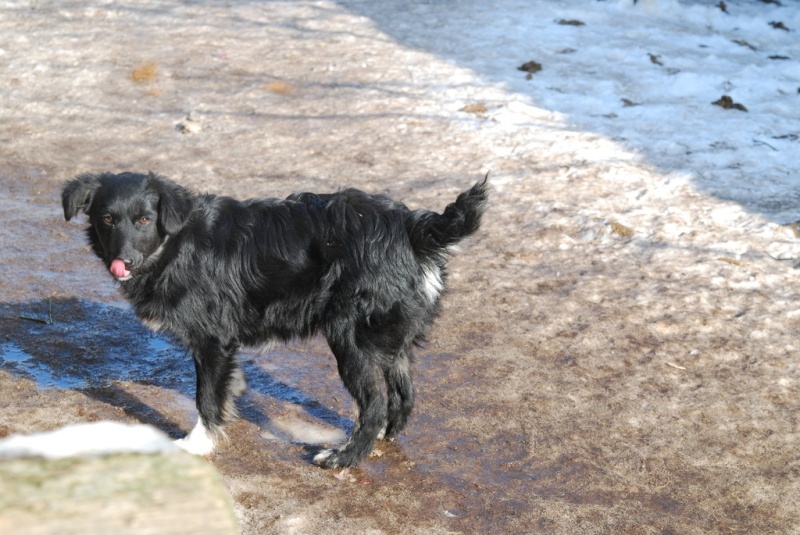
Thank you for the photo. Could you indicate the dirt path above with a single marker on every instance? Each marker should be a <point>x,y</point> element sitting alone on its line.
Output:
<point>617,353</point>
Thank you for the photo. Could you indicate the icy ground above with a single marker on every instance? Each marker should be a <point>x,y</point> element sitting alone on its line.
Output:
<point>618,349</point>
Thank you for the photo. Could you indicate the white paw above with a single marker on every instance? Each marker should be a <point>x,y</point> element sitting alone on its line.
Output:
<point>321,457</point>
<point>198,442</point>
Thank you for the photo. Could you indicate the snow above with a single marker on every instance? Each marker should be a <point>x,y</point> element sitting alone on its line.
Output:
<point>600,77</point>
<point>88,440</point>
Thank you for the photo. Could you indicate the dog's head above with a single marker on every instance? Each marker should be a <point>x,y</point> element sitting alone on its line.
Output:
<point>131,215</point>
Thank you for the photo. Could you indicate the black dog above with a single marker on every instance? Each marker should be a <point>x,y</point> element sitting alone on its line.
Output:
<point>363,270</point>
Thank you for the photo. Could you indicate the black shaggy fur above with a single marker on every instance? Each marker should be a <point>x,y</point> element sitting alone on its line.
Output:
<point>363,270</point>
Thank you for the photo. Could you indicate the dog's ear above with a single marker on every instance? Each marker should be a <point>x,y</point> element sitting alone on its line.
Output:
<point>78,193</point>
<point>174,205</point>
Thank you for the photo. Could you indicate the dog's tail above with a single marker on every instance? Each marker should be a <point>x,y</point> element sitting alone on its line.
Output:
<point>431,233</point>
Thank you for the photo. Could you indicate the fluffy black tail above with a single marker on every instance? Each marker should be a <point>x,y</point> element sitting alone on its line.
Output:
<point>431,233</point>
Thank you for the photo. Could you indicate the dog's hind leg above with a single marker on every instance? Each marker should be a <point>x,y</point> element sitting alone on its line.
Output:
<point>363,378</point>
<point>219,381</point>
<point>400,387</point>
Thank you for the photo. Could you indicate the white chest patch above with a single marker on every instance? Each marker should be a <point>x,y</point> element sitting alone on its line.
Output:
<point>153,324</point>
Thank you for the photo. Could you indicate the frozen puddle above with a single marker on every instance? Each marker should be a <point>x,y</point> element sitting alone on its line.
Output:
<point>106,352</point>
<point>17,360</point>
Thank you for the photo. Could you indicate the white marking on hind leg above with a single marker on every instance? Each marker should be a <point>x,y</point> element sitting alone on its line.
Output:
<point>199,441</point>
<point>238,384</point>
<point>321,457</point>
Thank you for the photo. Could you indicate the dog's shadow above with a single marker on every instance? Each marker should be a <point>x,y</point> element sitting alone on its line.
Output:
<point>94,348</point>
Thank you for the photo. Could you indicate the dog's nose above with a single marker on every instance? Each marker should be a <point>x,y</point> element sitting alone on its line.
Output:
<point>130,258</point>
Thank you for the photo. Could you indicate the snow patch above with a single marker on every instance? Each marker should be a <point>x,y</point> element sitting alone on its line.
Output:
<point>88,440</point>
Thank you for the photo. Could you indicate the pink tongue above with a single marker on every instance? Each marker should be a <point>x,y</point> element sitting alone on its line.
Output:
<point>118,269</point>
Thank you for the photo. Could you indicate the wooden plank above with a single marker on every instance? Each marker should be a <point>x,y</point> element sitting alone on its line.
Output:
<point>173,494</point>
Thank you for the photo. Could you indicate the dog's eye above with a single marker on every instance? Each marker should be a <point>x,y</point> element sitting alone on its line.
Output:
<point>144,220</point>
<point>108,220</point>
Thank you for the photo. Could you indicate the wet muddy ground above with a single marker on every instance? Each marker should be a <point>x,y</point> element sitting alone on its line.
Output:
<point>617,352</point>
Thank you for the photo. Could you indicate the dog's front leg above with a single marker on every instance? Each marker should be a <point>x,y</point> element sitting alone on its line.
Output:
<point>219,381</point>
